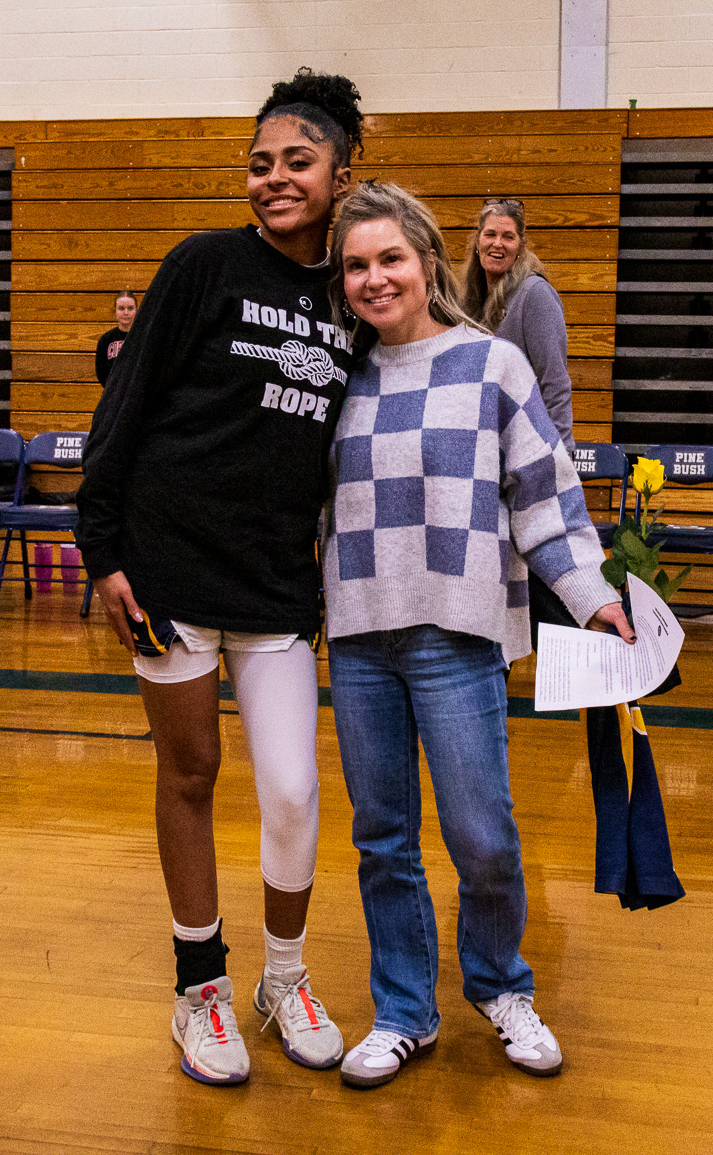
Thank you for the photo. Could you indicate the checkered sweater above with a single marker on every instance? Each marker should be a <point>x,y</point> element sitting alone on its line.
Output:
<point>449,481</point>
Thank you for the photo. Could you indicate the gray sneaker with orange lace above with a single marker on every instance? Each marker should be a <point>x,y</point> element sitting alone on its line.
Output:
<point>309,1037</point>
<point>204,1026</point>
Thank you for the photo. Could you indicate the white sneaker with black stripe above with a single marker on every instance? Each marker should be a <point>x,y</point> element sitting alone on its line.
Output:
<point>529,1044</point>
<point>381,1055</point>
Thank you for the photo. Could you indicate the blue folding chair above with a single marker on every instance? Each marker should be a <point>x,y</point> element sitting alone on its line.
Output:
<point>687,465</point>
<point>12,453</point>
<point>61,450</point>
<point>598,461</point>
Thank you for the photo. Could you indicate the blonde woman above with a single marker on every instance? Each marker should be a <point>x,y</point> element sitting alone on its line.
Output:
<point>506,289</point>
<point>448,481</point>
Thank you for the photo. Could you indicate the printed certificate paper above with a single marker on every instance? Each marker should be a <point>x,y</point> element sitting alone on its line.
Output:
<point>580,668</point>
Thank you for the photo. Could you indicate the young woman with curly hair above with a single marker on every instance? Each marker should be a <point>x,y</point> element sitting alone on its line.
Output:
<point>204,480</point>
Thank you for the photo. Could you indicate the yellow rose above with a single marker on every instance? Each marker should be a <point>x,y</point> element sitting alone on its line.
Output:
<point>648,474</point>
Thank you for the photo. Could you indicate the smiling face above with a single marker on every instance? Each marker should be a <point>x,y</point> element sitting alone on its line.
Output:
<point>292,186</point>
<point>125,310</point>
<point>499,246</point>
<point>385,283</point>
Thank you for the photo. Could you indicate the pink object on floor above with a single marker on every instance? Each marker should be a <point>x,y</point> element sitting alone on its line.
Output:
<point>70,560</point>
<point>43,567</point>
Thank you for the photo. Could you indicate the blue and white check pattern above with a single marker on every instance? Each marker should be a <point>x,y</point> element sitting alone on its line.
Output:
<point>447,474</point>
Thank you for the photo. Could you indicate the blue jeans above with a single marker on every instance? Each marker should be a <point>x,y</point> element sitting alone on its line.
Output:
<point>388,688</point>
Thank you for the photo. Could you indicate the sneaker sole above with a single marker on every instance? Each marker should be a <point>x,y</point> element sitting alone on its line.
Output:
<point>539,1072</point>
<point>363,1082</point>
<point>292,1054</point>
<point>202,1076</point>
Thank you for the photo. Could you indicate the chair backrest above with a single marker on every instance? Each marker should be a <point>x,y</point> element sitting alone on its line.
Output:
<point>597,459</point>
<point>11,447</point>
<point>62,450</point>
<point>685,464</point>
<point>12,452</point>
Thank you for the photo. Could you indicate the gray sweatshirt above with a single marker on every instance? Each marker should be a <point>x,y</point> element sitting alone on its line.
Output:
<point>534,321</point>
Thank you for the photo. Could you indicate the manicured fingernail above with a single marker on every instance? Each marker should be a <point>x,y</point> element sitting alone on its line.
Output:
<point>138,617</point>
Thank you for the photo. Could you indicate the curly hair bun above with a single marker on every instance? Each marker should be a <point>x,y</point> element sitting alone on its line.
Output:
<point>335,95</point>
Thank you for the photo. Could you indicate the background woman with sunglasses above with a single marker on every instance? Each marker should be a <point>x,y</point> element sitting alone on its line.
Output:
<point>506,289</point>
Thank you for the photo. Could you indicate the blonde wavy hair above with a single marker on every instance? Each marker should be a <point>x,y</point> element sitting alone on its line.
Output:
<point>373,201</point>
<point>490,308</point>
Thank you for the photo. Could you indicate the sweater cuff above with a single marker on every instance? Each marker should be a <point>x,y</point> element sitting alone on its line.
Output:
<point>100,560</point>
<point>584,591</point>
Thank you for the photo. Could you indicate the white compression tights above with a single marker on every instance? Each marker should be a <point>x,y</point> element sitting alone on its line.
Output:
<point>276,694</point>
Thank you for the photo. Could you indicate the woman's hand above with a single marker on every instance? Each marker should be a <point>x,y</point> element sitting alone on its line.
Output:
<point>612,615</point>
<point>117,599</point>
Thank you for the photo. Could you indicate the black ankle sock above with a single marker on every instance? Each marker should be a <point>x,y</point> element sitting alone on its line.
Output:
<point>199,962</point>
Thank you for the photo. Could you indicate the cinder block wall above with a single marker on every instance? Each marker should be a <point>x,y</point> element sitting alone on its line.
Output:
<point>99,58</point>
<point>660,53</point>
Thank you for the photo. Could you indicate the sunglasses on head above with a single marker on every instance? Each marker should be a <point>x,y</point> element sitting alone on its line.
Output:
<point>503,201</point>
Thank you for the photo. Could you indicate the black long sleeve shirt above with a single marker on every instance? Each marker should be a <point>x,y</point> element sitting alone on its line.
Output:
<point>108,348</point>
<point>205,469</point>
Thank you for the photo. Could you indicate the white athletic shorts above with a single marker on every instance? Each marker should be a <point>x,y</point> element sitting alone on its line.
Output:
<point>196,653</point>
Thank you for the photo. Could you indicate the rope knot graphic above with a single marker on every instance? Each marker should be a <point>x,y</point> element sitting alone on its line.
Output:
<point>297,361</point>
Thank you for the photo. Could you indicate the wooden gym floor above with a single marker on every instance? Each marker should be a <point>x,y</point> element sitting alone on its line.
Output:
<point>86,1056</point>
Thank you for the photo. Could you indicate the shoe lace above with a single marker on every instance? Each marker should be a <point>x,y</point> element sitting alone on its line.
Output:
<point>300,1005</point>
<point>217,1019</point>
<point>520,1020</point>
<point>379,1042</point>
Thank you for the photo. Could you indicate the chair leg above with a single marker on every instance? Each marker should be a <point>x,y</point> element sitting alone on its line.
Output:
<point>87,599</point>
<point>25,565</point>
<point>5,551</point>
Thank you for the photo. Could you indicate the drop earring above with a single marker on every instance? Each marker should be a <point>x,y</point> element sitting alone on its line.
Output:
<point>347,309</point>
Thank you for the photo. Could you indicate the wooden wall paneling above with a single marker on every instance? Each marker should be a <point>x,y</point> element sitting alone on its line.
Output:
<point>395,124</point>
<point>66,276</point>
<point>95,245</point>
<point>148,128</point>
<point>549,244</point>
<point>82,336</point>
<point>541,212</point>
<point>427,180</point>
<point>12,131</point>
<point>50,396</point>
<point>586,431</point>
<point>652,122</point>
<point>378,150</point>
<point>167,214</point>
<point>590,374</point>
<point>592,405</point>
<point>73,306</point>
<point>589,308</point>
<point>591,341</point>
<point>559,121</point>
<point>98,307</point>
<point>61,336</point>
<point>579,308</point>
<point>452,212</point>
<point>128,245</point>
<point>29,423</point>
<point>60,367</point>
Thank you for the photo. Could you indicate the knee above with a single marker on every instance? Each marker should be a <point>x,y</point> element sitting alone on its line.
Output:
<point>296,802</point>
<point>190,770</point>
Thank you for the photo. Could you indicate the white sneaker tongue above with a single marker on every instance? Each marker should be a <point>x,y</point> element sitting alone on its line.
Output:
<point>205,993</point>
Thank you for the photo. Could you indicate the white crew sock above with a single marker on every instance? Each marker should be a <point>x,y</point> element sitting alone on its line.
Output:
<point>195,933</point>
<point>282,954</point>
